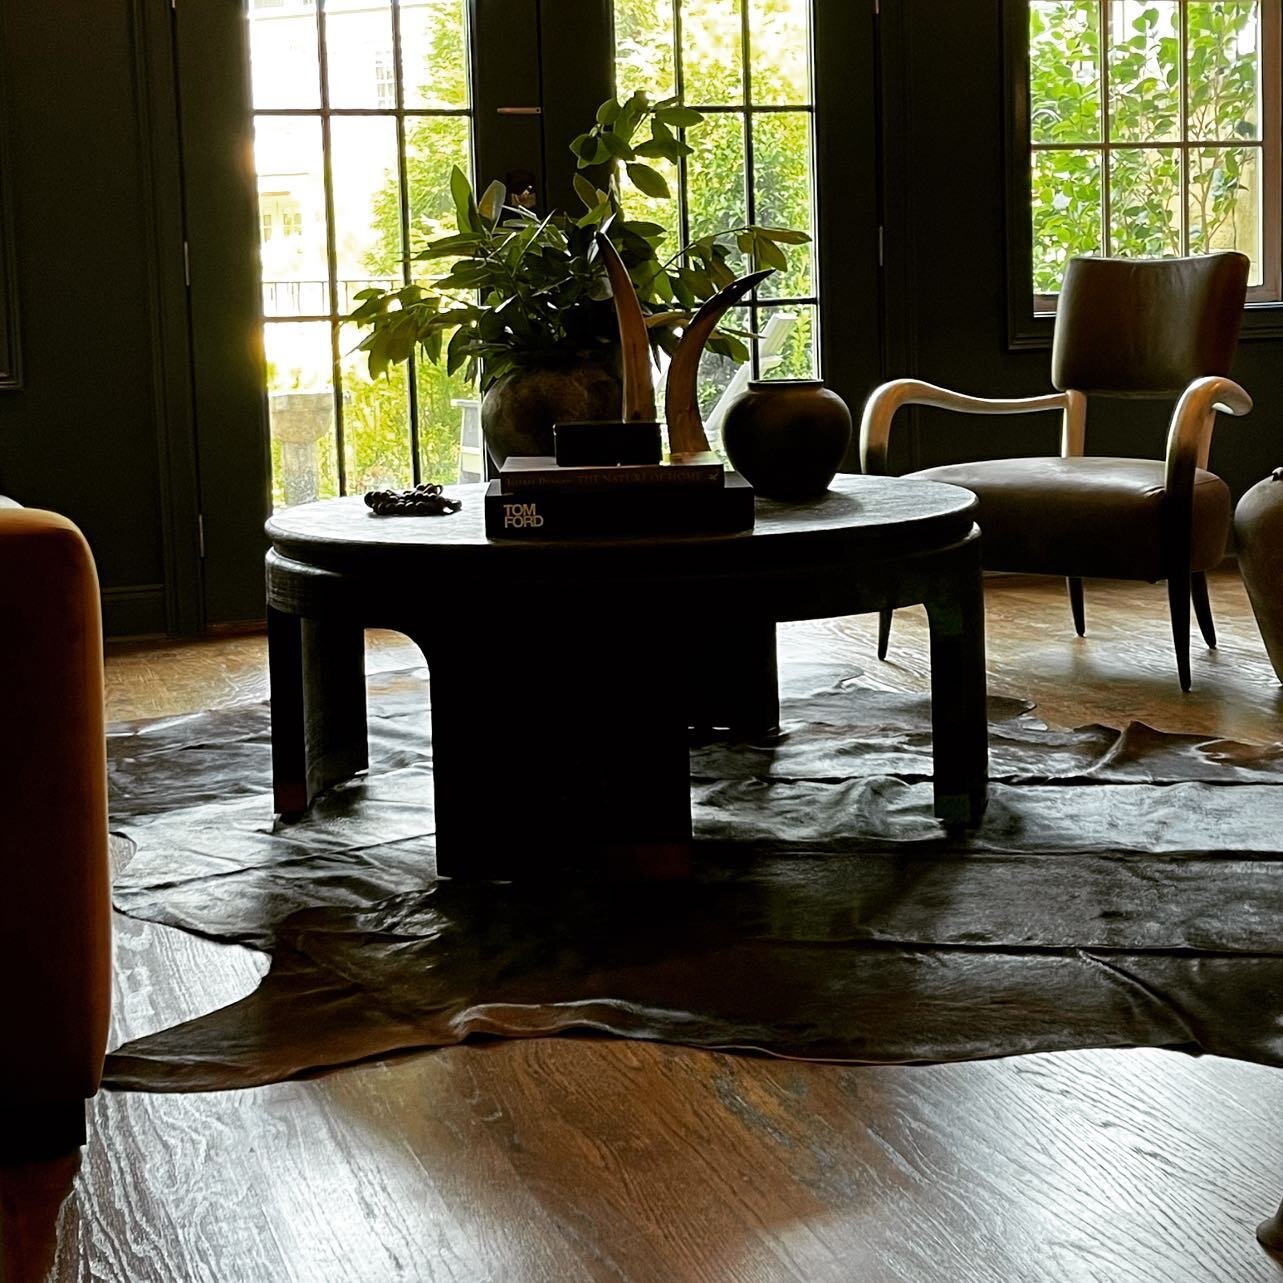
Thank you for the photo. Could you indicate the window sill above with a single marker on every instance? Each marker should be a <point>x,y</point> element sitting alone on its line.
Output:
<point>1033,332</point>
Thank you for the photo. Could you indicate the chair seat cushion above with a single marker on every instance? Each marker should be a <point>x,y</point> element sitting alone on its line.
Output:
<point>1091,517</point>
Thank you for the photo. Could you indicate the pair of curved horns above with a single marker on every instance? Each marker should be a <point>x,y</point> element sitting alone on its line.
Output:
<point>681,405</point>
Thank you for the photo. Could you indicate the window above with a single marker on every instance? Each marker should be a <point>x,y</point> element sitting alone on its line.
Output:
<point>746,65</point>
<point>1144,128</point>
<point>353,148</point>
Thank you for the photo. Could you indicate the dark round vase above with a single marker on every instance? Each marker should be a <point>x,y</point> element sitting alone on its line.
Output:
<point>787,438</point>
<point>1258,534</point>
<point>518,412</point>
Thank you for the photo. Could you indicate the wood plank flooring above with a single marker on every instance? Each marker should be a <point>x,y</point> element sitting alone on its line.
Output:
<point>579,1159</point>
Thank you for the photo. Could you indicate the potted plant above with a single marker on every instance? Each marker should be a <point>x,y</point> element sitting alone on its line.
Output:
<point>523,304</point>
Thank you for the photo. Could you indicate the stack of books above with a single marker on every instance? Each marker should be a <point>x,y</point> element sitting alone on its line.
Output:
<point>534,498</point>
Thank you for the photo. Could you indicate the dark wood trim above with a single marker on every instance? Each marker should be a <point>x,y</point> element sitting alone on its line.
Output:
<point>505,73</point>
<point>161,199</point>
<point>849,211</point>
<point>228,372</point>
<point>10,348</point>
<point>1025,329</point>
<point>899,219</point>
<point>133,611</point>
<point>576,75</point>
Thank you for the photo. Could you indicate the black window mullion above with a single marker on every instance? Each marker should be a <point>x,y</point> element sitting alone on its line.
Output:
<point>1183,54</point>
<point>331,247</point>
<point>679,88</point>
<point>403,184</point>
<point>1106,160</point>
<point>750,184</point>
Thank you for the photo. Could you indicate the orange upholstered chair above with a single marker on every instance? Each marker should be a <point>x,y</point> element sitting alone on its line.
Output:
<point>55,909</point>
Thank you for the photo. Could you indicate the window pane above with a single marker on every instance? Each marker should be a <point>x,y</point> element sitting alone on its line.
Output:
<point>300,399</point>
<point>450,446</point>
<point>291,208</point>
<point>1224,71</point>
<point>358,51</point>
<point>1066,213</point>
<point>367,217</point>
<point>1145,202</point>
<point>284,71</point>
<point>780,51</point>
<point>434,145</point>
<point>1225,202</point>
<point>782,182</point>
<point>434,53</point>
<point>1064,71</point>
<point>786,348</point>
<point>1144,71</point>
<point>712,52</point>
<point>376,420</point>
<point>644,47</point>
<point>715,178</point>
<point>721,380</point>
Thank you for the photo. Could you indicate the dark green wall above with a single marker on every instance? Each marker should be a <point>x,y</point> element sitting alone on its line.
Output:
<point>81,436</point>
<point>946,248</point>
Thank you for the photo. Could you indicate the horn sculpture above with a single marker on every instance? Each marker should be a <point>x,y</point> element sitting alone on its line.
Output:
<point>639,390</point>
<point>681,405</point>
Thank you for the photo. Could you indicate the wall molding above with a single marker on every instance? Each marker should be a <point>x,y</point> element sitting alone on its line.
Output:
<point>134,611</point>
<point>10,349</point>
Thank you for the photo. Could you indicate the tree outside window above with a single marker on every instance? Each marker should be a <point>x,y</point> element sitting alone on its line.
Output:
<point>1153,131</point>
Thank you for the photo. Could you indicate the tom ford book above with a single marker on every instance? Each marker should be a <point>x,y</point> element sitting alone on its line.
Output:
<point>693,509</point>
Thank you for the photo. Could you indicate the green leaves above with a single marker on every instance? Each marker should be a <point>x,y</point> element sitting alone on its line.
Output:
<point>508,288</point>
<point>648,181</point>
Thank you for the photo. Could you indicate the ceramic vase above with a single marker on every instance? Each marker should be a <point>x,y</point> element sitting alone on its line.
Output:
<point>787,437</point>
<point>518,411</point>
<point>1258,532</point>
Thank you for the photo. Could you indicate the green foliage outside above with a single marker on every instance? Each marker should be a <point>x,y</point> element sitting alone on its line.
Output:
<point>1145,60</point>
<point>375,414</point>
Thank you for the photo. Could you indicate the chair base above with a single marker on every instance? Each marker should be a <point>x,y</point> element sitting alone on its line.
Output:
<point>1182,590</point>
<point>36,1131</point>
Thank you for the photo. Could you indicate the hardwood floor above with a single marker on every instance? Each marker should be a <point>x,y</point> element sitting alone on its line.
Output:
<point>579,1159</point>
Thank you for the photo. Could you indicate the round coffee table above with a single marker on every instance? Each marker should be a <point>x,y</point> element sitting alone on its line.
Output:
<point>565,674</point>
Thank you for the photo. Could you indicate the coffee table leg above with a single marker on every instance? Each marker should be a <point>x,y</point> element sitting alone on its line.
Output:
<point>556,750</point>
<point>959,718</point>
<point>317,673</point>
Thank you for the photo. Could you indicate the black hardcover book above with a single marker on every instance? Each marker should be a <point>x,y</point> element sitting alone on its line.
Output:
<point>592,444</point>
<point>619,513</point>
<point>527,474</point>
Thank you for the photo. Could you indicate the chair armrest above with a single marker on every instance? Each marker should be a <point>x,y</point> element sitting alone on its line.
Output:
<point>1189,439</point>
<point>883,402</point>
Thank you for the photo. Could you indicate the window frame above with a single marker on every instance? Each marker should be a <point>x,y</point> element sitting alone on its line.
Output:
<point>1030,319</point>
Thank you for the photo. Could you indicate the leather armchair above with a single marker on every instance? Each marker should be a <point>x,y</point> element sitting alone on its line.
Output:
<point>55,912</point>
<point>1152,328</point>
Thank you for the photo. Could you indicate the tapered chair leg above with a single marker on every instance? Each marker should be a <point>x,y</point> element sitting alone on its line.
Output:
<point>884,631</point>
<point>1178,598</point>
<point>1076,605</point>
<point>1202,607</point>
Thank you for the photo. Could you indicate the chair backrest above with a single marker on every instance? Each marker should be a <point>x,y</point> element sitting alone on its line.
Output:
<point>1147,327</point>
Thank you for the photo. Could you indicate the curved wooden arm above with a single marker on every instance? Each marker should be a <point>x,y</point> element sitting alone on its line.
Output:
<point>880,408</point>
<point>1189,439</point>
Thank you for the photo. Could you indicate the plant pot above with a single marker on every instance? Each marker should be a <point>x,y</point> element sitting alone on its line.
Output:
<point>518,412</point>
<point>787,438</point>
<point>1258,532</point>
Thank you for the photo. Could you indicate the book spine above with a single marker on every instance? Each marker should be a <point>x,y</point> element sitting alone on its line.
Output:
<point>557,516</point>
<point>555,481</point>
